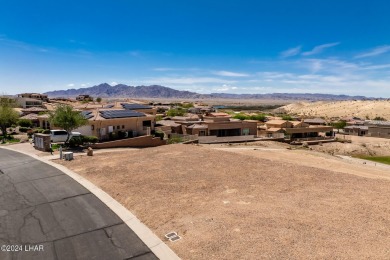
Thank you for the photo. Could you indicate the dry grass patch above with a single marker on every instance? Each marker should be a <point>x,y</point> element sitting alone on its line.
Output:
<point>232,206</point>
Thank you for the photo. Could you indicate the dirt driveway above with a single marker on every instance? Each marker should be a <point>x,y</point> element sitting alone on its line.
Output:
<point>242,204</point>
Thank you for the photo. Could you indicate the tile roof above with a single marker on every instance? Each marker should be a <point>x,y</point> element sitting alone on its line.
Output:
<point>377,122</point>
<point>30,117</point>
<point>34,109</point>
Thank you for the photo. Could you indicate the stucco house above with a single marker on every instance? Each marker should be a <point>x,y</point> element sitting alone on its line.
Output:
<point>105,123</point>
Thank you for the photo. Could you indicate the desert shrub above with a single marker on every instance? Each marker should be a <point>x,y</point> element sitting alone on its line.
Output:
<point>122,135</point>
<point>25,123</point>
<point>75,141</point>
<point>24,129</point>
<point>112,136</point>
<point>175,140</point>
<point>240,116</point>
<point>259,117</point>
<point>287,117</point>
<point>89,139</point>
<point>159,134</point>
<point>176,112</point>
<point>38,130</point>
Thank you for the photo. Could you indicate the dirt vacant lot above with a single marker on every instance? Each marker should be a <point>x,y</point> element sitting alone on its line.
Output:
<point>239,205</point>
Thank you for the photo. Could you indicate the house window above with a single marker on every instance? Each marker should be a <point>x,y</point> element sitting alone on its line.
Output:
<point>245,131</point>
<point>123,126</point>
<point>147,123</point>
<point>92,127</point>
<point>118,127</point>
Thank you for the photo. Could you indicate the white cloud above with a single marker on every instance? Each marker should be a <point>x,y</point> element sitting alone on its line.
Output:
<point>320,48</point>
<point>374,52</point>
<point>291,52</point>
<point>185,80</point>
<point>70,85</point>
<point>225,73</point>
<point>114,83</point>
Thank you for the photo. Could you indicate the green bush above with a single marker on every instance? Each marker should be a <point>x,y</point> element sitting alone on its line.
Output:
<point>46,131</point>
<point>259,117</point>
<point>25,123</point>
<point>75,141</point>
<point>89,139</point>
<point>121,135</point>
<point>159,134</point>
<point>286,117</point>
<point>176,112</point>
<point>38,130</point>
<point>175,140</point>
<point>240,116</point>
<point>24,129</point>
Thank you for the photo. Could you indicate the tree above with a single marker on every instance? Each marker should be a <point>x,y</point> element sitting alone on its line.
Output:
<point>25,123</point>
<point>98,99</point>
<point>8,116</point>
<point>176,112</point>
<point>339,125</point>
<point>67,118</point>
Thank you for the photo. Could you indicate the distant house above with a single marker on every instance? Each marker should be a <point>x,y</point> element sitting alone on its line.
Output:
<point>36,96</point>
<point>168,127</point>
<point>106,123</point>
<point>84,98</point>
<point>25,102</point>
<point>31,117</point>
<point>222,126</point>
<point>278,124</point>
<point>138,107</point>
<point>298,124</point>
<point>33,110</point>
<point>378,128</point>
<point>213,125</point>
<point>293,129</point>
<point>315,121</point>
<point>359,130</point>
<point>355,123</point>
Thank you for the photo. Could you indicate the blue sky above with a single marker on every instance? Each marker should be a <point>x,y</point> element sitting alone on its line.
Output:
<point>312,46</point>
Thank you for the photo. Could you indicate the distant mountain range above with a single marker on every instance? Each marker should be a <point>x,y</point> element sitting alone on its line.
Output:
<point>155,91</point>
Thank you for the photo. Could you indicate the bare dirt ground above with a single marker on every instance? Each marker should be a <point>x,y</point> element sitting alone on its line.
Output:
<point>360,145</point>
<point>329,109</point>
<point>234,202</point>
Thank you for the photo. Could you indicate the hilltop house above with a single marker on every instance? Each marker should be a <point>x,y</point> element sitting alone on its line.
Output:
<point>292,129</point>
<point>109,123</point>
<point>36,96</point>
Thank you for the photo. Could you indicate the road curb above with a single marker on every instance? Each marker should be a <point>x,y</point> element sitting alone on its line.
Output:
<point>156,245</point>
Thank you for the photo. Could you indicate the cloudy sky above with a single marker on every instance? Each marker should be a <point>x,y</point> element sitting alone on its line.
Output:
<point>311,46</point>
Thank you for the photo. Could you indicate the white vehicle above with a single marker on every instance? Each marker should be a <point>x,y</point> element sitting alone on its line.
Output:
<point>60,136</point>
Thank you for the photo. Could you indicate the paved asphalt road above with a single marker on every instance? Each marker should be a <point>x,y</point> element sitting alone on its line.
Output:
<point>43,208</point>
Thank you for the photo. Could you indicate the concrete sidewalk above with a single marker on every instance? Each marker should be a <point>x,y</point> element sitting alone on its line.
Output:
<point>45,214</point>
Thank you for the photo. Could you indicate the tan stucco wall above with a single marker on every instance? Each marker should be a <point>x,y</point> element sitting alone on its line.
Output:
<point>142,141</point>
<point>130,124</point>
<point>382,131</point>
<point>252,126</point>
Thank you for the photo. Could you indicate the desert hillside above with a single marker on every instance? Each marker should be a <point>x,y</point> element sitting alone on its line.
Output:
<point>359,108</point>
